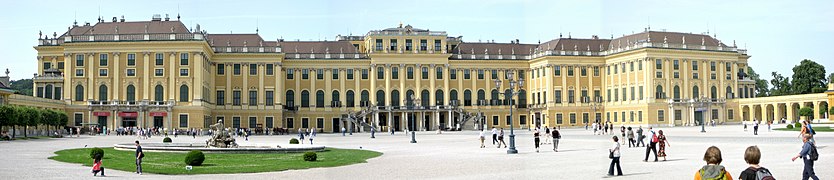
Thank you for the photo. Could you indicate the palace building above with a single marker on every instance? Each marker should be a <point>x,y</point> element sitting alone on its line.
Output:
<point>160,73</point>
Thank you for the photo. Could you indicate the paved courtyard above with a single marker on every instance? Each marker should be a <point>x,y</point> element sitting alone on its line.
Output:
<point>456,155</point>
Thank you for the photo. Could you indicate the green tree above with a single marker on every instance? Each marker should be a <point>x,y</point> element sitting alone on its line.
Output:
<point>5,116</point>
<point>807,76</point>
<point>831,111</point>
<point>807,112</point>
<point>781,85</point>
<point>831,78</point>
<point>23,86</point>
<point>761,84</point>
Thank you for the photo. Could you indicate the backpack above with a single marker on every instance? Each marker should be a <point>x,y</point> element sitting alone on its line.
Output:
<point>813,155</point>
<point>811,130</point>
<point>654,137</point>
<point>722,176</point>
<point>764,174</point>
<point>556,134</point>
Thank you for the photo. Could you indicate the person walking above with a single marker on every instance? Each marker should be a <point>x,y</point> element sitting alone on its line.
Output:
<point>652,148</point>
<point>501,138</point>
<point>481,137</point>
<point>301,135</point>
<point>139,156</point>
<point>768,125</point>
<point>536,138</point>
<point>343,131</point>
<point>594,126</point>
<point>97,166</point>
<point>756,127</point>
<point>630,135</point>
<point>752,156</point>
<point>556,137</point>
<point>546,135</point>
<point>808,154</point>
<point>614,154</point>
<point>640,137</point>
<point>494,135</point>
<point>713,169</point>
<point>662,143</point>
<point>623,132</point>
<point>313,134</point>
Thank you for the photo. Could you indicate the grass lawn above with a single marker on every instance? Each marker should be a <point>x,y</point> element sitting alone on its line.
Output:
<point>216,163</point>
<point>817,129</point>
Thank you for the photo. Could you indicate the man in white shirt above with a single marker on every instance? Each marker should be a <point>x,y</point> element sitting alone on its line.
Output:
<point>494,135</point>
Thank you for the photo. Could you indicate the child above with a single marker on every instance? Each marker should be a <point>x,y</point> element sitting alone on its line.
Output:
<point>97,166</point>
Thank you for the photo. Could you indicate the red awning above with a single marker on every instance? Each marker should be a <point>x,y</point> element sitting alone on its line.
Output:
<point>129,114</point>
<point>101,113</point>
<point>158,113</point>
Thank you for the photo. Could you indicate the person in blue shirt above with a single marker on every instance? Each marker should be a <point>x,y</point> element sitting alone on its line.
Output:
<point>808,170</point>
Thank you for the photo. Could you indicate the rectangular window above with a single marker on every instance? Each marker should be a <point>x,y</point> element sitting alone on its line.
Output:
<point>221,97</point>
<point>290,123</point>
<point>608,95</point>
<point>409,72</point>
<point>676,75</point>
<point>639,116</point>
<point>494,120</point>
<point>596,70</point>
<point>253,121</point>
<point>319,73</point>
<point>79,60</point>
<point>583,71</point>
<point>694,65</point>
<point>608,70</point>
<point>480,74</point>
<point>729,114</point>
<point>305,74</point>
<point>675,64</point>
<point>158,72</point>
<point>235,122</point>
<point>570,70</point>
<point>639,65</point>
<point>131,72</point>
<point>641,92</point>
<point>585,117</point>
<point>253,98</point>
<point>159,59</point>
<point>47,65</point>
<point>60,65</point>
<point>559,118</point>
<point>380,73</point>
<point>320,123</point>
<point>364,73</point>
<point>425,73</point>
<point>658,74</point>
<point>607,116</point>
<point>632,94</point>
<point>507,120</point>
<point>623,116</point>
<point>572,118</point>
<point>290,73</point>
<point>438,73</point>
<point>571,96</point>
<point>270,69</point>
<point>183,72</point>
<point>131,59</point>
<point>183,59</point>
<point>557,70</point>
<point>658,64</point>
<point>236,97</point>
<point>423,45</point>
<point>558,96</point>
<point>269,122</point>
<point>631,66</point>
<point>494,74</point>
<point>253,69</point>
<point>183,120</point>
<point>625,96</point>
<point>678,115</point>
<point>393,45</point>
<point>221,69</point>
<point>79,72</point>
<point>349,73</point>
<point>453,74</point>
<point>236,69</point>
<point>694,75</point>
<point>712,67</point>
<point>270,97</point>
<point>437,45</point>
<point>334,74</point>
<point>102,72</point>
<point>715,114</point>
<point>660,115</point>
<point>102,60</point>
<point>466,74</point>
<point>379,44</point>
<point>79,118</point>
<point>616,94</point>
<point>728,67</point>
<point>712,76</point>
<point>408,44</point>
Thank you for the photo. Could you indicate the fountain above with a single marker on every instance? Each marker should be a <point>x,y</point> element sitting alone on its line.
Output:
<point>221,138</point>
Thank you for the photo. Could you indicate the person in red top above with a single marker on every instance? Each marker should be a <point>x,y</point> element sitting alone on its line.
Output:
<point>97,166</point>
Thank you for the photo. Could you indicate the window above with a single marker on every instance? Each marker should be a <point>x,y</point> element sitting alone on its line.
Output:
<point>583,71</point>
<point>379,44</point>
<point>453,74</point>
<point>409,72</point>
<point>236,69</point>
<point>184,59</point>
<point>507,120</point>
<point>364,73</point>
<point>616,94</point>
<point>641,92</point>
<point>423,45</point>
<point>658,64</point>
<point>131,59</point>
<point>305,123</point>
<point>158,93</point>
<point>349,73</point>
<point>159,59</point>
<point>380,73</point>
<point>658,75</point>
<point>408,44</point>
<point>678,115</point>
<point>675,64</point>
<point>349,98</point>
<point>47,65</point>
<point>571,96</point>
<point>494,74</point>
<point>585,117</point>
<point>573,118</point>
<point>425,73</point>
<point>694,65</point>
<point>236,97</point>
<point>60,65</point>
<point>305,98</point>
<point>466,74</point>
<point>438,72</point>
<point>320,123</point>
<point>183,72</point>
<point>631,118</point>
<point>270,69</point>
<point>639,65</point>
<point>290,99</point>
<point>235,122</point>
<point>608,70</point>
<point>632,94</point>
<point>695,75</point>
<point>615,117</point>
<point>79,118</point>
<point>712,76</point>
<point>253,69</point>
<point>290,123</point>
<point>728,67</point>
<point>480,74</point>
<point>395,73</point>
<point>269,122</point>
<point>184,93</point>
<point>596,70</point>
<point>79,93</point>
<point>102,60</point>
<point>305,74</point>
<point>319,74</point>
<point>625,96</point>
<point>729,114</point>
<point>676,75</point>
<point>393,45</point>
<point>221,97</point>
<point>102,93</point>
<point>79,72</point>
<point>559,118</point>
<point>253,98</point>
<point>221,69</point>
<point>437,45</point>
<point>557,70</point>
<point>320,98</point>
<point>253,122</point>
<point>631,66</point>
<point>584,94</point>
<point>558,95</point>
<point>334,73</point>
<point>131,72</point>
<point>714,114</point>
<point>570,70</point>
<point>660,115</point>
<point>183,120</point>
<point>102,72</point>
<point>623,67</point>
<point>494,120</point>
<point>79,60</point>
<point>712,68</point>
<point>290,73</point>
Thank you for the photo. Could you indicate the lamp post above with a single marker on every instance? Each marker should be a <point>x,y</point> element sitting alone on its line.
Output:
<point>701,102</point>
<point>413,121</point>
<point>514,84</point>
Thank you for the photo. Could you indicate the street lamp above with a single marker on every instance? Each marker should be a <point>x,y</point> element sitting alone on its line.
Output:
<point>514,84</point>
<point>413,121</point>
<point>701,102</point>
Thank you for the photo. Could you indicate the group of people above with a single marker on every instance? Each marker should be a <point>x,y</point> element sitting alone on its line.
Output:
<point>658,140</point>
<point>602,128</point>
<point>309,133</point>
<point>139,155</point>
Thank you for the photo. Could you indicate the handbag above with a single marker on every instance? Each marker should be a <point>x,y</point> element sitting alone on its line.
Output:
<point>610,154</point>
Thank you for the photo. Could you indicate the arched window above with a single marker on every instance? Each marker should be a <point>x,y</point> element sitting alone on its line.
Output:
<point>522,98</point>
<point>290,99</point>
<point>79,93</point>
<point>380,98</point>
<point>48,91</point>
<point>659,92</point>
<point>366,98</point>
<point>481,97</point>
<point>409,97</point>
<point>334,97</point>
<point>184,93</point>
<point>730,94</point>
<point>713,93</point>
<point>438,96</point>
<point>319,98</point>
<point>395,98</point>
<point>507,100</point>
<point>453,97</point>
<point>102,93</point>
<point>424,98</point>
<point>349,98</point>
<point>305,98</point>
<point>158,93</point>
<point>493,98</point>
<point>131,93</point>
<point>677,92</point>
<point>467,97</point>
<point>696,93</point>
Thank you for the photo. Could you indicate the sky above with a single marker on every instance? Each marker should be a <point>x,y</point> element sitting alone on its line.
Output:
<point>777,34</point>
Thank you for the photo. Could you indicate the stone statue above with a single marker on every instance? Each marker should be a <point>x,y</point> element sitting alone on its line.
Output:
<point>221,137</point>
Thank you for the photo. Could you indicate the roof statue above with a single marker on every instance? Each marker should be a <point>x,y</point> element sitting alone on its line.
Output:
<point>574,47</point>
<point>664,39</point>
<point>684,40</point>
<point>589,47</point>
<point>702,41</point>
<point>499,51</point>
<point>512,51</point>
<point>649,35</point>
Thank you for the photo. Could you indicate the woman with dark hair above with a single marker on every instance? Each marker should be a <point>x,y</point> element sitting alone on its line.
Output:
<point>662,143</point>
<point>614,154</point>
<point>97,166</point>
<point>713,169</point>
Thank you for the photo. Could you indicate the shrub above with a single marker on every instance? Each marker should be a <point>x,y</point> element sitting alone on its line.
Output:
<point>166,140</point>
<point>195,158</point>
<point>310,156</point>
<point>789,126</point>
<point>797,125</point>
<point>293,141</point>
<point>96,152</point>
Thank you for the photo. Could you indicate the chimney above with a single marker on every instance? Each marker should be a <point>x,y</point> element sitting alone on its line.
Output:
<point>114,18</point>
<point>156,17</point>
<point>594,37</point>
<point>167,18</point>
<point>123,18</point>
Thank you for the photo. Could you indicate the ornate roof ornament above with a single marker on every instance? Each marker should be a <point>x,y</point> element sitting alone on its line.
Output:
<point>664,39</point>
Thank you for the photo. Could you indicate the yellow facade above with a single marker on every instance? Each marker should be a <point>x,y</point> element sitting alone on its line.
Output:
<point>115,78</point>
